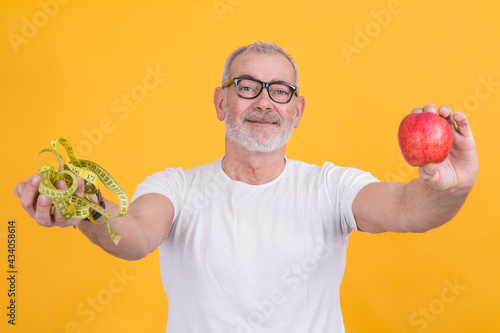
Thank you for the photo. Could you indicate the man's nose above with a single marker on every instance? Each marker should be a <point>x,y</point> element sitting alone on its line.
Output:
<point>264,101</point>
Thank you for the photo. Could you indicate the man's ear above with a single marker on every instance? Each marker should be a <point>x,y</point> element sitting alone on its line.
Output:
<point>219,103</point>
<point>301,104</point>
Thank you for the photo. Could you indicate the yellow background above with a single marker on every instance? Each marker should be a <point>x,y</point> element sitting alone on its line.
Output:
<point>65,78</point>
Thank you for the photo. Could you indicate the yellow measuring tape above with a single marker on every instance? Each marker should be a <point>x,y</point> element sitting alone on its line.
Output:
<point>69,205</point>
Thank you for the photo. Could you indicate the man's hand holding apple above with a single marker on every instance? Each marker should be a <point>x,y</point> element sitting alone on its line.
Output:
<point>457,172</point>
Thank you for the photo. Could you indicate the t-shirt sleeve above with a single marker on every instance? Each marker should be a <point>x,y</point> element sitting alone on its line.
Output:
<point>343,184</point>
<point>170,183</point>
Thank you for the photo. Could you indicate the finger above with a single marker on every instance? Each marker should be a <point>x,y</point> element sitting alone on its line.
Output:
<point>42,214</point>
<point>28,193</point>
<point>462,122</point>
<point>430,108</point>
<point>60,184</point>
<point>80,189</point>
<point>417,110</point>
<point>44,217</point>
<point>18,189</point>
<point>445,112</point>
<point>428,173</point>
<point>56,219</point>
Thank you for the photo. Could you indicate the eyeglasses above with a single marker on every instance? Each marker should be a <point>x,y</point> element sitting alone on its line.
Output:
<point>279,92</point>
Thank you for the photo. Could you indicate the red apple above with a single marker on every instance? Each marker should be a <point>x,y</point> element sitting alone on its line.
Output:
<point>424,138</point>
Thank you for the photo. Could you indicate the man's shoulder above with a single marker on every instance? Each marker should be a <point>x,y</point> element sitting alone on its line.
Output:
<point>197,168</point>
<point>302,166</point>
<point>183,173</point>
<point>327,170</point>
<point>207,167</point>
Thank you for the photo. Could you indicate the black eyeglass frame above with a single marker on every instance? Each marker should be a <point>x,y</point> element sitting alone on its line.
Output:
<point>263,85</point>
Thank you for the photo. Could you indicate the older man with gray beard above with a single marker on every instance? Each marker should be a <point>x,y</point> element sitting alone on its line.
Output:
<point>256,242</point>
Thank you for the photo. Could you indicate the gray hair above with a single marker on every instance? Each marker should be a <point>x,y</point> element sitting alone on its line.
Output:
<point>269,48</point>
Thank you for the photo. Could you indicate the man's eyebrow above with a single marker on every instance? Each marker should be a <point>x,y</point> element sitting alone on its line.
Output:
<point>280,82</point>
<point>248,76</point>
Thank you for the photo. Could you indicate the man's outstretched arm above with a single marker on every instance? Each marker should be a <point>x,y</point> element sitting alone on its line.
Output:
<point>142,229</point>
<point>430,200</point>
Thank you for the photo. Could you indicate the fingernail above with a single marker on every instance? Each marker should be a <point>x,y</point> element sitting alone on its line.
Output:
<point>34,180</point>
<point>44,200</point>
<point>18,190</point>
<point>431,169</point>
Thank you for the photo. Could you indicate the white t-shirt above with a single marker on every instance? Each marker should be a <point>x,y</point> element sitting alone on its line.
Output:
<point>256,258</point>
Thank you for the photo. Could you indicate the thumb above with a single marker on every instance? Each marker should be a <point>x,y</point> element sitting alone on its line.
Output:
<point>61,185</point>
<point>428,173</point>
<point>80,189</point>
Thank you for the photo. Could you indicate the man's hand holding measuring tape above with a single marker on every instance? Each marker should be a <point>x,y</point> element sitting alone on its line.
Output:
<point>70,197</point>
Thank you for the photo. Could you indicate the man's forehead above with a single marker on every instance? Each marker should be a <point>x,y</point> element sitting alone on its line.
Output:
<point>265,67</point>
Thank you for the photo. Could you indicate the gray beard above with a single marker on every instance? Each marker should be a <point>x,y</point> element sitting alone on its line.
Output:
<point>239,134</point>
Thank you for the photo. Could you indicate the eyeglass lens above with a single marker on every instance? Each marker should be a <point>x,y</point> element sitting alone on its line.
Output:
<point>278,92</point>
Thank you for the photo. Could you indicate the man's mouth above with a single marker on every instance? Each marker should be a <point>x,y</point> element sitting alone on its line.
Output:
<point>269,122</point>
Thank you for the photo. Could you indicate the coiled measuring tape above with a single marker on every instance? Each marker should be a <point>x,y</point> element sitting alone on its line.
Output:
<point>69,205</point>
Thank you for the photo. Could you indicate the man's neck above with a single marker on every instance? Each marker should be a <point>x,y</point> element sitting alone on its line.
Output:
<point>253,168</point>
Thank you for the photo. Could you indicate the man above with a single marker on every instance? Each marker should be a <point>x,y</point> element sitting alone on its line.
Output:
<point>255,242</point>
